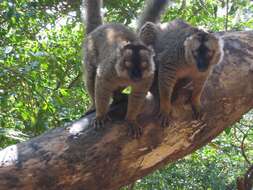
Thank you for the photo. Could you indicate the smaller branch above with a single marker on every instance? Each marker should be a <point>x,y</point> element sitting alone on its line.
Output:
<point>242,146</point>
<point>235,134</point>
<point>244,182</point>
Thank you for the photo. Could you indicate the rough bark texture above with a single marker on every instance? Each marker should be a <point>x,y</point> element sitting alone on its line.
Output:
<point>75,157</point>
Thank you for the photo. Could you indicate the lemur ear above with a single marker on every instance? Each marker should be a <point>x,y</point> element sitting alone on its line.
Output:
<point>123,45</point>
<point>188,41</point>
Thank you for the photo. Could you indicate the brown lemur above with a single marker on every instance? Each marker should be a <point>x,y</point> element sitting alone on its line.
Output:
<point>182,51</point>
<point>115,58</point>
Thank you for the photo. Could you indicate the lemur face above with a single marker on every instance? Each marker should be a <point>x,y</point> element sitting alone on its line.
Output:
<point>136,62</point>
<point>204,50</point>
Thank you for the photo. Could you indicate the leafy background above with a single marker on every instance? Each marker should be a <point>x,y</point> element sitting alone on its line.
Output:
<point>41,83</point>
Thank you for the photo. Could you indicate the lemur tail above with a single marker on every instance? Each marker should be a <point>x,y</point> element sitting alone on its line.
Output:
<point>93,16</point>
<point>152,11</point>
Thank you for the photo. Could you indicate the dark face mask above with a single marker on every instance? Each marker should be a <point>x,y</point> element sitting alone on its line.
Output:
<point>202,59</point>
<point>201,64</point>
<point>135,74</point>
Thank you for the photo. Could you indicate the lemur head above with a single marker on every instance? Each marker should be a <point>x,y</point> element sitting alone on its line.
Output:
<point>135,62</point>
<point>203,49</point>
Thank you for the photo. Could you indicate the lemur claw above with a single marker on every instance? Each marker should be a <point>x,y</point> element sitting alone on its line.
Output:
<point>197,113</point>
<point>99,123</point>
<point>164,119</point>
<point>134,129</point>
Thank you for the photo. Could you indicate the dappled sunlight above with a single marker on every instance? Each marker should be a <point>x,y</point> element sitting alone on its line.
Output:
<point>9,156</point>
<point>79,126</point>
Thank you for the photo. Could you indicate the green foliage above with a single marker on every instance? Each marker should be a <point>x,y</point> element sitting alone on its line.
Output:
<point>123,11</point>
<point>41,81</point>
<point>212,14</point>
<point>40,84</point>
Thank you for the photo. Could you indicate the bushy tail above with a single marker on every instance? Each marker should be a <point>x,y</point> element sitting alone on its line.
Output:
<point>93,16</point>
<point>152,11</point>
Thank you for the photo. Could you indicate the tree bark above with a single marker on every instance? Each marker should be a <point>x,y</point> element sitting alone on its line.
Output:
<point>75,157</point>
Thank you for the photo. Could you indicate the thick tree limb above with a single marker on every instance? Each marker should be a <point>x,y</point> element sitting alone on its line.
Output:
<point>76,157</point>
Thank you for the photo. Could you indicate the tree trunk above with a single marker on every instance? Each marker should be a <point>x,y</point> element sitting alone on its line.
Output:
<point>75,157</point>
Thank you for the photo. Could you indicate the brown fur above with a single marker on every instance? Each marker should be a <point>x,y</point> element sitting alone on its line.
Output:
<point>177,49</point>
<point>107,65</point>
<point>178,57</point>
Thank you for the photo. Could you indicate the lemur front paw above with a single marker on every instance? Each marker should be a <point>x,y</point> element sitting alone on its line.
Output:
<point>99,122</point>
<point>134,129</point>
<point>197,113</point>
<point>164,119</point>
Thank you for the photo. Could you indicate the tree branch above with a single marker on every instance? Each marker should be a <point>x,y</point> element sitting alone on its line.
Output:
<point>76,157</point>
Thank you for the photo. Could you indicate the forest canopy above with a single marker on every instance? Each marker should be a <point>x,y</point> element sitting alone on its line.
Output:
<point>41,85</point>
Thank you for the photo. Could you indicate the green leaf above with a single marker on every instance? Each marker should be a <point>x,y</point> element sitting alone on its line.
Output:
<point>127,90</point>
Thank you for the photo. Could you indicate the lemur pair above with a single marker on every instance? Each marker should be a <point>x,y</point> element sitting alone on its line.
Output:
<point>116,57</point>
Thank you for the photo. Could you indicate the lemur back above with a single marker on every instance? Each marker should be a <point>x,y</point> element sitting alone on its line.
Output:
<point>104,40</point>
<point>182,51</point>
